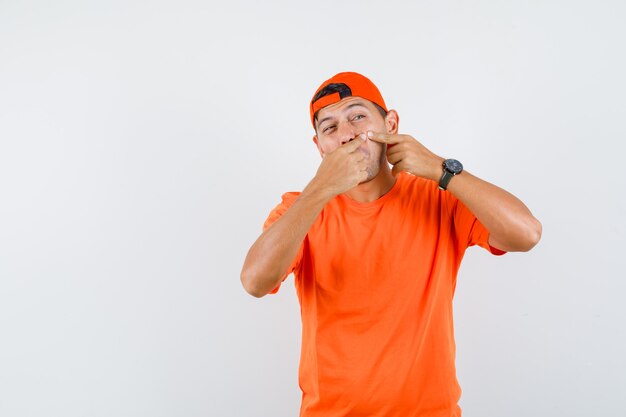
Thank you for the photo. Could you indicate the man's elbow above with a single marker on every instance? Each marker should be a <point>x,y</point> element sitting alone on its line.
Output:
<point>522,238</point>
<point>532,235</point>
<point>250,284</point>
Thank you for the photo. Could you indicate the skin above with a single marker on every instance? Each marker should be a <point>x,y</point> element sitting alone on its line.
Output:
<point>355,143</point>
<point>337,125</point>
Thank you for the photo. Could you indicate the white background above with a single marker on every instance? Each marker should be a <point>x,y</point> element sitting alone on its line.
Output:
<point>143,143</point>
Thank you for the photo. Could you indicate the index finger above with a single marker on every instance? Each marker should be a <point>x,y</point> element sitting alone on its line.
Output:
<point>354,144</point>
<point>383,137</point>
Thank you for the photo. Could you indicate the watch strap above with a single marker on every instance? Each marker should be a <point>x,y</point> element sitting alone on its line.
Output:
<point>445,179</point>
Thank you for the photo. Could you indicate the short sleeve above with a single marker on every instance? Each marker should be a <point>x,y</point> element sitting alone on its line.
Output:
<point>287,200</point>
<point>470,231</point>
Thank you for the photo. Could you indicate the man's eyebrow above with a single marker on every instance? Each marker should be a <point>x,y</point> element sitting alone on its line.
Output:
<point>344,110</point>
<point>355,105</point>
<point>323,120</point>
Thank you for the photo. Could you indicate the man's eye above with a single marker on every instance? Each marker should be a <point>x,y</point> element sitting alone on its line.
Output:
<point>328,128</point>
<point>358,117</point>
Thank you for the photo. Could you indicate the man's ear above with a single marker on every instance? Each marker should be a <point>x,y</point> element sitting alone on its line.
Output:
<point>319,148</point>
<point>391,121</point>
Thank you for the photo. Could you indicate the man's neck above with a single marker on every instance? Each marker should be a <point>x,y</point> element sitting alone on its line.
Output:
<point>374,189</point>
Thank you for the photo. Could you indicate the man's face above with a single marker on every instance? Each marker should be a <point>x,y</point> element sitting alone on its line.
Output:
<point>343,121</point>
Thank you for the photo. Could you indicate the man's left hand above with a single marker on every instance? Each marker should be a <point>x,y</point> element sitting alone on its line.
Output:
<point>405,153</point>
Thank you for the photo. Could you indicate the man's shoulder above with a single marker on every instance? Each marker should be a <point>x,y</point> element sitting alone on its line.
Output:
<point>411,183</point>
<point>425,193</point>
<point>287,199</point>
<point>290,196</point>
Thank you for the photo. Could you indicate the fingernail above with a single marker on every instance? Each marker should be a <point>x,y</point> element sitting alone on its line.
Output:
<point>370,134</point>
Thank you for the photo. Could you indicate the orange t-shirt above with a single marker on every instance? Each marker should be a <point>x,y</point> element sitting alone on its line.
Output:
<point>375,283</point>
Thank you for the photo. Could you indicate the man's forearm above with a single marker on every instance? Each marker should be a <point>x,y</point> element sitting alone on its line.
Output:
<point>276,248</point>
<point>511,225</point>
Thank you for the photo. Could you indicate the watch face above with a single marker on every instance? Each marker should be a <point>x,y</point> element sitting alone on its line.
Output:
<point>453,166</point>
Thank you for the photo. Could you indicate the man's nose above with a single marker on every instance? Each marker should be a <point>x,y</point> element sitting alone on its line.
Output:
<point>347,132</point>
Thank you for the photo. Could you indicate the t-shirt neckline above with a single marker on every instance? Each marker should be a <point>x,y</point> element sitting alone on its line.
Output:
<point>381,200</point>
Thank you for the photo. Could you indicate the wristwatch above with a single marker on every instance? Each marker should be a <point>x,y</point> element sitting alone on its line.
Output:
<point>451,167</point>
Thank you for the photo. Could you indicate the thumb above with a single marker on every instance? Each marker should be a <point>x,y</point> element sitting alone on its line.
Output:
<point>397,169</point>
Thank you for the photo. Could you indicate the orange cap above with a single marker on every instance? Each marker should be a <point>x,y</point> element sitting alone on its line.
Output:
<point>344,84</point>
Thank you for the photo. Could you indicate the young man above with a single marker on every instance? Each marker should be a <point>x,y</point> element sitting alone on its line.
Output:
<point>375,253</point>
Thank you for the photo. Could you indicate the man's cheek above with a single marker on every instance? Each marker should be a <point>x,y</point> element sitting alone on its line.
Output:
<point>375,147</point>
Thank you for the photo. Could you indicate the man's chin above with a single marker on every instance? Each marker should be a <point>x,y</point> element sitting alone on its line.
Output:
<point>366,181</point>
<point>371,174</point>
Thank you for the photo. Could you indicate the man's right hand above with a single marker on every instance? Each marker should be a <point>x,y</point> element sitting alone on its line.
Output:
<point>342,169</point>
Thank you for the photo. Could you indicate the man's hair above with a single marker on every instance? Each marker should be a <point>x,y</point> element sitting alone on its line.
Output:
<point>382,111</point>
<point>344,91</point>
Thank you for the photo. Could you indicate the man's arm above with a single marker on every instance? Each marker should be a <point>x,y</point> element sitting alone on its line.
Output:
<point>276,248</point>
<point>511,226</point>
<point>272,253</point>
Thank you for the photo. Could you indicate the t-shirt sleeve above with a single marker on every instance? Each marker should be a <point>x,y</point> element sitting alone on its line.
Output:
<point>470,231</point>
<point>287,200</point>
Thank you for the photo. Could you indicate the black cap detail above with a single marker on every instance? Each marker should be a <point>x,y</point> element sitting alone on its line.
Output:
<point>341,88</point>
